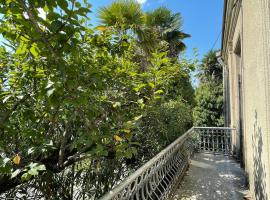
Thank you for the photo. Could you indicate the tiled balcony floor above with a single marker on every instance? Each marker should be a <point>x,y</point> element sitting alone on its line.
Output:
<point>212,177</point>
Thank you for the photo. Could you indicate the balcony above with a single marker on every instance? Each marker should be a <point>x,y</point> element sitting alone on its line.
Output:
<point>198,165</point>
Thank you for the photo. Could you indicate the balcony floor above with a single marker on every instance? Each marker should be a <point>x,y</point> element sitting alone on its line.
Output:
<point>212,177</point>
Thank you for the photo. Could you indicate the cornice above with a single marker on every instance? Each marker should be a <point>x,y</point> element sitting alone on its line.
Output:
<point>230,17</point>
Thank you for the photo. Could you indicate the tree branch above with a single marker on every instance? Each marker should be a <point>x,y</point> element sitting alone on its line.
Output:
<point>71,157</point>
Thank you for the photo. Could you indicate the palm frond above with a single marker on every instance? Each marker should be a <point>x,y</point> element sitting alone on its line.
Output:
<point>168,26</point>
<point>125,14</point>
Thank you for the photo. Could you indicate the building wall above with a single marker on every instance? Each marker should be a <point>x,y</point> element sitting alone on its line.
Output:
<point>247,23</point>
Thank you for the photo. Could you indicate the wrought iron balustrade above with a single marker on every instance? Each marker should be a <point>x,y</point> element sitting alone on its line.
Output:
<point>158,178</point>
<point>214,139</point>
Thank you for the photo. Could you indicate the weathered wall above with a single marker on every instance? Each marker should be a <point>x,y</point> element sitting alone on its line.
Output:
<point>234,64</point>
<point>252,28</point>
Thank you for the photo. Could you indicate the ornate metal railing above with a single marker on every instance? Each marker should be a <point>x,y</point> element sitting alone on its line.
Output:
<point>214,139</point>
<point>158,178</point>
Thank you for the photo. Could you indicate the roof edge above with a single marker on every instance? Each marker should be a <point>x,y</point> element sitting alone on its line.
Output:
<point>223,24</point>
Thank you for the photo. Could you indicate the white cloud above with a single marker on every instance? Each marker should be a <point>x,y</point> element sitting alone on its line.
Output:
<point>141,1</point>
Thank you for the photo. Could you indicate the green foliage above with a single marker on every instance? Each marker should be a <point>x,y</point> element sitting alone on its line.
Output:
<point>209,108</point>
<point>76,103</point>
<point>210,69</point>
<point>122,14</point>
<point>181,88</point>
<point>158,29</point>
<point>209,95</point>
<point>163,123</point>
<point>168,28</point>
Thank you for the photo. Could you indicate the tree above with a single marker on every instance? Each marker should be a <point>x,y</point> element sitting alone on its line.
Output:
<point>168,28</point>
<point>209,94</point>
<point>156,29</point>
<point>72,100</point>
<point>122,15</point>
<point>210,69</point>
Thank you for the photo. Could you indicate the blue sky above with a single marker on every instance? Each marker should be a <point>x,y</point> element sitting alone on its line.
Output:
<point>202,19</point>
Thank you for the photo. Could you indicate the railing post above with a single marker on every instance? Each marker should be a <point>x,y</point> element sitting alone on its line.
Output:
<point>233,149</point>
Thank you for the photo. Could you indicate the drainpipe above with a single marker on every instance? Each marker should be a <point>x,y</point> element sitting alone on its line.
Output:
<point>221,62</point>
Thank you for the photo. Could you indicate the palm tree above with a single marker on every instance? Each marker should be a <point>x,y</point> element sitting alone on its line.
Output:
<point>168,27</point>
<point>122,15</point>
<point>154,29</point>
<point>210,69</point>
<point>126,16</point>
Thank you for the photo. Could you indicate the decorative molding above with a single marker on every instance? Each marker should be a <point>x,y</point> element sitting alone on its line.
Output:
<point>230,17</point>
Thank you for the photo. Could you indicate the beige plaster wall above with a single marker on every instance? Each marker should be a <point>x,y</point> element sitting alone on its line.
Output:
<point>253,29</point>
<point>234,64</point>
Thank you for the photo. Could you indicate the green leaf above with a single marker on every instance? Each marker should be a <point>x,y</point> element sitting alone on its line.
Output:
<point>116,104</point>
<point>41,168</point>
<point>6,98</point>
<point>15,173</point>
<point>34,51</point>
<point>159,92</point>
<point>46,8</point>
<point>50,92</point>
<point>137,118</point>
<point>21,49</point>
<point>151,85</point>
<point>101,151</point>
<point>26,176</point>
<point>77,4</point>
<point>140,101</point>
<point>49,84</point>
<point>30,151</point>
<point>33,172</point>
<point>56,25</point>
<point>6,160</point>
<point>63,4</point>
<point>83,11</point>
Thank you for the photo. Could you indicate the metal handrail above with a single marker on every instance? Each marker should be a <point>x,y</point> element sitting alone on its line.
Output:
<point>217,128</point>
<point>122,190</point>
<point>157,178</point>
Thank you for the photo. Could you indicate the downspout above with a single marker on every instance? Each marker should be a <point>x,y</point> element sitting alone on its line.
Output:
<point>221,62</point>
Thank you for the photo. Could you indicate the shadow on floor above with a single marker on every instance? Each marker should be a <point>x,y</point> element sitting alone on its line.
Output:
<point>212,177</point>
